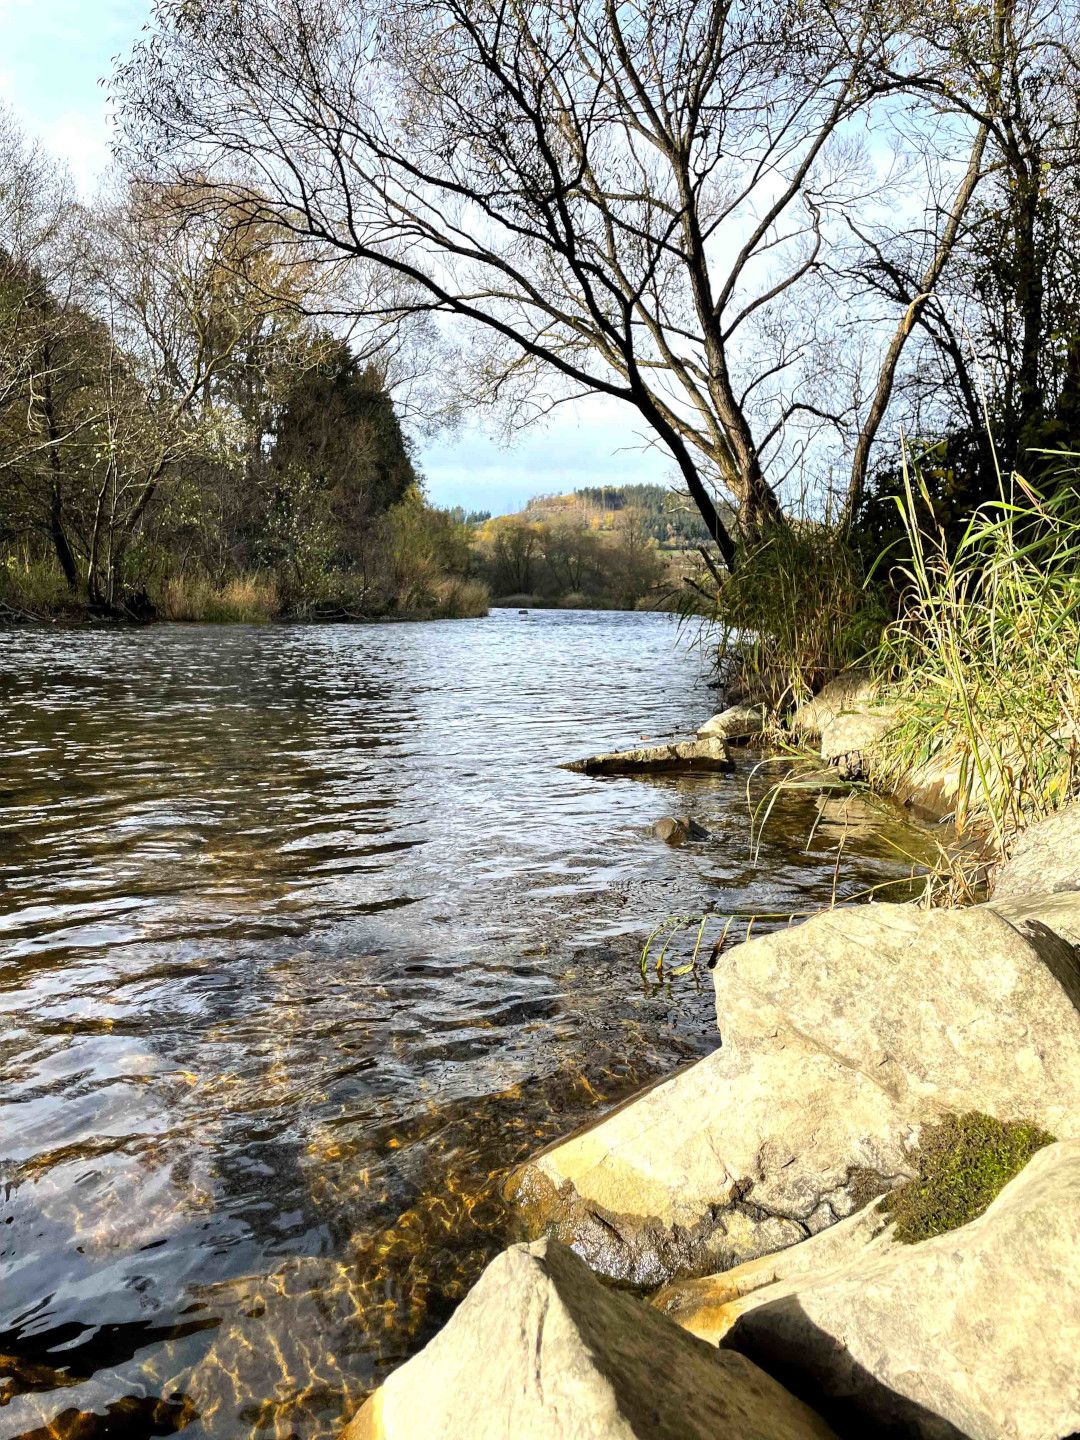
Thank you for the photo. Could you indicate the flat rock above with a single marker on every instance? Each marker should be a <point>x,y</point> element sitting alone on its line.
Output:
<point>737,722</point>
<point>1045,858</point>
<point>974,1333</point>
<point>854,690</point>
<point>540,1350</point>
<point>710,753</point>
<point>840,1037</point>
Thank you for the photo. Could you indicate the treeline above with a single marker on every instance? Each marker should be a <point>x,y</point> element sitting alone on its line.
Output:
<point>180,435</point>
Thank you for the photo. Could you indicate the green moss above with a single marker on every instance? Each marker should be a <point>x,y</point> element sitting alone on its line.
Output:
<point>963,1162</point>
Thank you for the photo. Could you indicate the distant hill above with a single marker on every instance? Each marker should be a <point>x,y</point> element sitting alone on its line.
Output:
<point>669,517</point>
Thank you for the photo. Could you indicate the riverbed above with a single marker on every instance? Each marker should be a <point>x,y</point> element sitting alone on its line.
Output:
<point>305,939</point>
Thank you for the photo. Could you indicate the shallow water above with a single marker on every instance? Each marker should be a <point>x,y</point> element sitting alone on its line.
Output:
<point>304,940</point>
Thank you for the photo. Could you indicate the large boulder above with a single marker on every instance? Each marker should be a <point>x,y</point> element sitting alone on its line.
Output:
<point>540,1349</point>
<point>853,690</point>
<point>974,1333</point>
<point>708,753</point>
<point>737,722</point>
<point>1045,858</point>
<point>840,1038</point>
<point>952,1009</point>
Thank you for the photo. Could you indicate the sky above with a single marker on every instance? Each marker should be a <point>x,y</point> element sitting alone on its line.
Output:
<point>54,55</point>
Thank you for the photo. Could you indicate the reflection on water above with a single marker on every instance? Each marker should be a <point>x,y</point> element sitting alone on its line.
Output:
<point>304,939</point>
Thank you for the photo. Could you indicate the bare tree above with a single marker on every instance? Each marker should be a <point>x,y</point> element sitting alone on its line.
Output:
<point>628,199</point>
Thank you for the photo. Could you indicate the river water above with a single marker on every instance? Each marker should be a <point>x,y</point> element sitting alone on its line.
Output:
<point>304,940</point>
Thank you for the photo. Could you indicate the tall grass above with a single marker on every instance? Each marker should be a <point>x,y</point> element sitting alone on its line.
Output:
<point>249,599</point>
<point>797,611</point>
<point>457,598</point>
<point>35,589</point>
<point>983,662</point>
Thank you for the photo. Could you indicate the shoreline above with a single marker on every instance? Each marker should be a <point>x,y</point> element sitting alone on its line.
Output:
<point>836,1059</point>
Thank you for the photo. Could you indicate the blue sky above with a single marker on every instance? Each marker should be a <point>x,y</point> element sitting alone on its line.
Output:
<point>53,55</point>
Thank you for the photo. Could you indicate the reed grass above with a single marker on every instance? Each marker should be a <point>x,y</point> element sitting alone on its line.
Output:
<point>983,661</point>
<point>797,611</point>
<point>249,599</point>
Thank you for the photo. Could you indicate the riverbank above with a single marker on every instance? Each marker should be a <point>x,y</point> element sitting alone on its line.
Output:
<point>246,602</point>
<point>876,1064</point>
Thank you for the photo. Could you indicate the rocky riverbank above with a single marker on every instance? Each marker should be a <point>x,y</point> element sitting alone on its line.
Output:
<point>759,1190</point>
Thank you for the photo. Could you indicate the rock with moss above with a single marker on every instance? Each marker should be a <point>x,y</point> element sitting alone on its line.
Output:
<point>974,1332</point>
<point>540,1349</point>
<point>962,1163</point>
<point>841,1039</point>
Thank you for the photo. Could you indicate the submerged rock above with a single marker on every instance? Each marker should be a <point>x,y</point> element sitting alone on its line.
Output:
<point>973,1333</point>
<point>540,1349</point>
<point>678,830</point>
<point>840,1038</point>
<point>737,722</point>
<point>710,753</point>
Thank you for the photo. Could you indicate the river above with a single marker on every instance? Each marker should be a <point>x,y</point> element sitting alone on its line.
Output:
<point>305,938</point>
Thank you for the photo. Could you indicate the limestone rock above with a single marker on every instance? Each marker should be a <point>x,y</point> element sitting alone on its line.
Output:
<point>540,1349</point>
<point>710,753</point>
<point>840,1037</point>
<point>1035,914</point>
<point>738,1155</point>
<point>973,1333</point>
<point>848,741</point>
<point>1045,858</point>
<point>737,722</point>
<point>854,690</point>
<point>957,1009</point>
<point>679,830</point>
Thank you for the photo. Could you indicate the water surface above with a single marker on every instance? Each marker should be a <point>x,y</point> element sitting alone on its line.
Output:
<point>304,940</point>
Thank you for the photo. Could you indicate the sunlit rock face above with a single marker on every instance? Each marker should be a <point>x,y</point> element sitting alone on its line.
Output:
<point>541,1349</point>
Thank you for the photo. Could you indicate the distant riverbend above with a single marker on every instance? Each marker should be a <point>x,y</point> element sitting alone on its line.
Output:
<point>305,940</point>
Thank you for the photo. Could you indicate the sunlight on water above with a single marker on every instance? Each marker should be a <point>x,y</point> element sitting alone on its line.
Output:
<point>304,940</point>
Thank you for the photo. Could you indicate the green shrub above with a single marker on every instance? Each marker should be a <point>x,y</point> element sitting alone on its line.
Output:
<point>964,1161</point>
